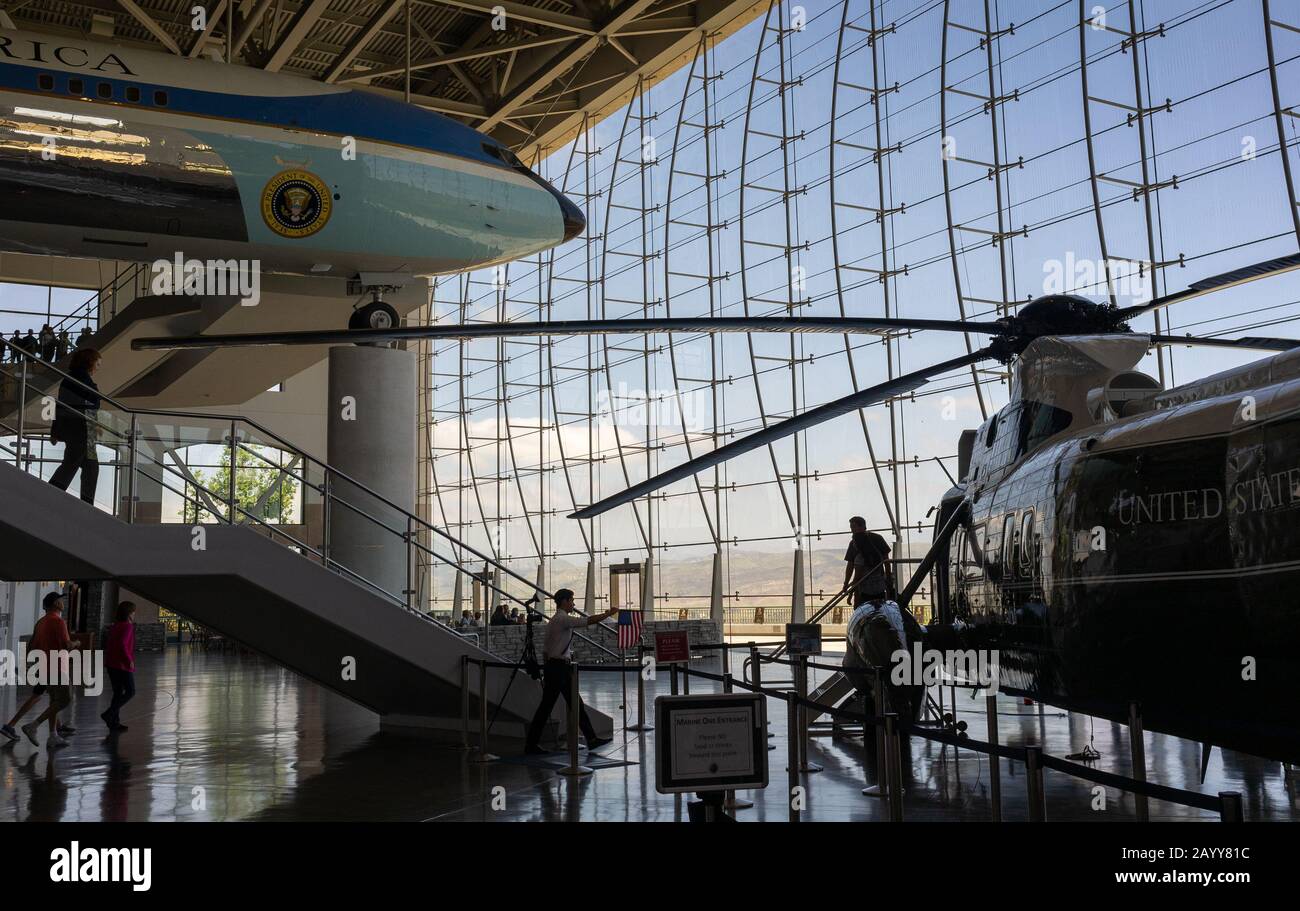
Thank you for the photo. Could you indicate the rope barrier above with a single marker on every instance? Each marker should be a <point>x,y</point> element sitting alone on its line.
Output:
<point>908,728</point>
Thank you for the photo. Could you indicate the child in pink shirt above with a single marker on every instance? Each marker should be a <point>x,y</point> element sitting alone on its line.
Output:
<point>119,658</point>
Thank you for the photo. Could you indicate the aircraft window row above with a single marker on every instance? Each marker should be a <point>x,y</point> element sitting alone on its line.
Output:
<point>76,86</point>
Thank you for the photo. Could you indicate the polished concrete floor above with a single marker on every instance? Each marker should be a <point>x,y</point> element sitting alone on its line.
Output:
<point>225,737</point>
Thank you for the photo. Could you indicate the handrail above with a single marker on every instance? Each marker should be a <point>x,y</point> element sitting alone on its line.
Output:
<point>327,491</point>
<point>113,285</point>
<point>198,416</point>
<point>821,612</point>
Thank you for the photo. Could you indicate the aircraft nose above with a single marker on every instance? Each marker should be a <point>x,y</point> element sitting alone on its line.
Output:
<point>574,221</point>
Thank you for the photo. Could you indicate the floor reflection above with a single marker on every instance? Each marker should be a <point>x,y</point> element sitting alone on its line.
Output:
<point>224,737</point>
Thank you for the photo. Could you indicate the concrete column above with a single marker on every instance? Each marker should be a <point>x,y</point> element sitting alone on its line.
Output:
<point>799,596</point>
<point>371,438</point>
<point>648,590</point>
<point>589,597</point>
<point>715,593</point>
<point>457,599</point>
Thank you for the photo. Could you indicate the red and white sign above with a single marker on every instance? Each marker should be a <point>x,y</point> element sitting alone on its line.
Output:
<point>672,647</point>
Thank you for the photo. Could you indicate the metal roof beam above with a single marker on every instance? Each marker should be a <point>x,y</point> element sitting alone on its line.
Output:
<point>460,57</point>
<point>150,25</point>
<point>299,27</point>
<point>247,26</point>
<point>548,67</point>
<point>201,39</point>
<point>363,37</point>
<point>523,13</point>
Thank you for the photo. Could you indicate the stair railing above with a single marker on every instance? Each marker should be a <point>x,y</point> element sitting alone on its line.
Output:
<point>138,437</point>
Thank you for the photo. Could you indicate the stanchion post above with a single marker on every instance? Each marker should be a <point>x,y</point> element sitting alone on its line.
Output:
<point>801,682</point>
<point>1137,747</point>
<point>730,801</point>
<point>573,770</point>
<point>1034,783</point>
<point>1230,806</point>
<point>483,755</point>
<point>673,678</point>
<point>22,416</point>
<point>464,702</point>
<point>641,724</point>
<point>995,763</point>
<point>894,761</point>
<point>882,768</point>
<point>756,669</point>
<point>792,754</point>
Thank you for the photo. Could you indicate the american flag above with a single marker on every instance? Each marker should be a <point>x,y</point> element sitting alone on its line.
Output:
<point>629,628</point>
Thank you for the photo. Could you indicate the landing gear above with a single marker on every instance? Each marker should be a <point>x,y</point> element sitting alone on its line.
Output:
<point>376,314</point>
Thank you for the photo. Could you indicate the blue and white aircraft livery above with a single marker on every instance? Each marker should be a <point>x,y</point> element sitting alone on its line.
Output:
<point>115,152</point>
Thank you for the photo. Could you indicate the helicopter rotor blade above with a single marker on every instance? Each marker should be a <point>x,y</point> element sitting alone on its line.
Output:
<point>1217,283</point>
<point>1249,342</point>
<point>801,324</point>
<point>860,399</point>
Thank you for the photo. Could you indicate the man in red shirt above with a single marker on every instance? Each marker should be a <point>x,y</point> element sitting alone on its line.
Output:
<point>9,730</point>
<point>51,637</point>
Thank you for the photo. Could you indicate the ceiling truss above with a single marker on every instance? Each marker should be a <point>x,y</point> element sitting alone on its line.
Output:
<point>526,73</point>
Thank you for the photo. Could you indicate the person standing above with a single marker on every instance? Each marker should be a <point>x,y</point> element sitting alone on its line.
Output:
<point>557,670</point>
<point>10,729</point>
<point>119,658</point>
<point>75,423</point>
<point>51,637</point>
<point>868,568</point>
<point>48,343</point>
<point>63,345</point>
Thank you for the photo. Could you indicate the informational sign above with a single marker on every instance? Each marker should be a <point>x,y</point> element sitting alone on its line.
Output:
<point>712,742</point>
<point>803,638</point>
<point>672,647</point>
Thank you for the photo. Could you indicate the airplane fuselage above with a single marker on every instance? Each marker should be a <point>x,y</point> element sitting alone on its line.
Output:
<point>120,153</point>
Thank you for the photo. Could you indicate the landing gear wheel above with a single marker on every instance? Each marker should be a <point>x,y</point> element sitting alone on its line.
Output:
<point>375,315</point>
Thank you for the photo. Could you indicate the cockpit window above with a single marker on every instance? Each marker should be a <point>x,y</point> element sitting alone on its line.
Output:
<point>1039,422</point>
<point>504,155</point>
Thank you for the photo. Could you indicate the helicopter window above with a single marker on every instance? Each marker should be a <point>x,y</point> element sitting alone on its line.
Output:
<point>1027,548</point>
<point>992,432</point>
<point>1008,545</point>
<point>1040,421</point>
<point>976,552</point>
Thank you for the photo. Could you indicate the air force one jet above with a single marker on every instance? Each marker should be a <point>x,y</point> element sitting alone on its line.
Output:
<point>117,153</point>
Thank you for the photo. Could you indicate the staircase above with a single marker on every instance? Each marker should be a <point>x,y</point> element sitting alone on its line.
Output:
<point>223,550</point>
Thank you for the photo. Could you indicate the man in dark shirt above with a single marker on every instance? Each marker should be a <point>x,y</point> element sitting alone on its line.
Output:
<point>867,563</point>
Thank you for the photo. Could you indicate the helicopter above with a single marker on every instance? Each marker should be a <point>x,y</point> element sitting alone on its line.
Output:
<point>1115,542</point>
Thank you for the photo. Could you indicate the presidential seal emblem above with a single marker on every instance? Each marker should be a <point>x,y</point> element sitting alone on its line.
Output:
<point>296,203</point>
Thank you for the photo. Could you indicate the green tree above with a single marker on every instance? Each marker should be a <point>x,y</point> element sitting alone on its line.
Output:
<point>262,490</point>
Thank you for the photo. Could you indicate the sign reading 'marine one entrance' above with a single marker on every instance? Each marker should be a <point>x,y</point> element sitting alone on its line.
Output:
<point>711,742</point>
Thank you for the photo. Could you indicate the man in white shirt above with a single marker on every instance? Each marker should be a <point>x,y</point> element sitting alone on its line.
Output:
<point>557,670</point>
